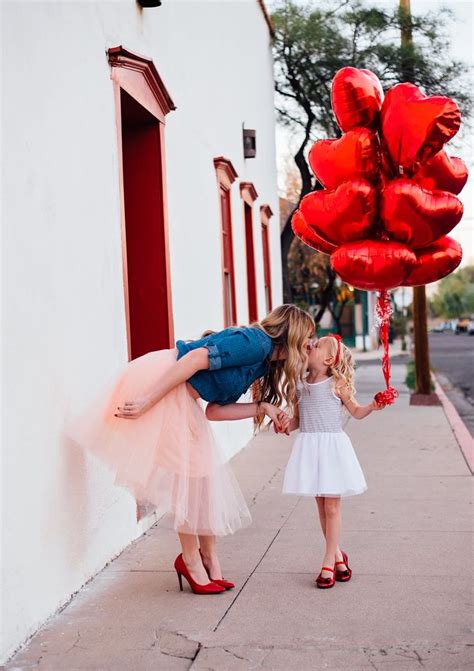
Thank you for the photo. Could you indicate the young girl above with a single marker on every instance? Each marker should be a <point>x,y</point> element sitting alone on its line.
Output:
<point>323,463</point>
<point>152,432</point>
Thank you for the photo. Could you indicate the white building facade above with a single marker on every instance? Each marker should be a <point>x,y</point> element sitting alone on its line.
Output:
<point>131,219</point>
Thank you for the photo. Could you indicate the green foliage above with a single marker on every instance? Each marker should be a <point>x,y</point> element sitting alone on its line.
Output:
<point>315,40</point>
<point>455,295</point>
<point>410,379</point>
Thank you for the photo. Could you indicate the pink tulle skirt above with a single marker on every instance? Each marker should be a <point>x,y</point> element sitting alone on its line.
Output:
<point>168,457</point>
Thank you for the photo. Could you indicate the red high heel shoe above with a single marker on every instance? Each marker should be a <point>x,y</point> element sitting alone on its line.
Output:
<point>346,575</point>
<point>226,584</point>
<point>325,583</point>
<point>182,570</point>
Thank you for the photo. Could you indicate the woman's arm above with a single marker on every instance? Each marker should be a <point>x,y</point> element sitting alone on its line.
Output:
<point>357,411</point>
<point>181,371</point>
<point>233,411</point>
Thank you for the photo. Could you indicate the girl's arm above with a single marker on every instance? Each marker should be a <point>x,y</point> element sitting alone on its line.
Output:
<point>181,371</point>
<point>295,420</point>
<point>357,411</point>
<point>232,411</point>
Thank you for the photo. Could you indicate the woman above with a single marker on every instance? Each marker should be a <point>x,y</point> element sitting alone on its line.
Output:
<point>166,454</point>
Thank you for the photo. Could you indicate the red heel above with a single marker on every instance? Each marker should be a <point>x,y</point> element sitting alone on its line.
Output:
<point>346,575</point>
<point>182,570</point>
<point>325,583</point>
<point>226,584</point>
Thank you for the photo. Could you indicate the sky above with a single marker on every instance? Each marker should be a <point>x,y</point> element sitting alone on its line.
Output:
<point>461,33</point>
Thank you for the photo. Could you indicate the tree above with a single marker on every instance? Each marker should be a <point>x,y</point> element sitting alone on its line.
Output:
<point>315,285</point>
<point>312,43</point>
<point>455,295</point>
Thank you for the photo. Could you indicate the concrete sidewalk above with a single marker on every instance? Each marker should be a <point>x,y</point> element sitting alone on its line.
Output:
<point>408,606</point>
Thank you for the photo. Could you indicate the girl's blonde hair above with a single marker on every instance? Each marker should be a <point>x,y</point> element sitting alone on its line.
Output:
<point>290,328</point>
<point>343,370</point>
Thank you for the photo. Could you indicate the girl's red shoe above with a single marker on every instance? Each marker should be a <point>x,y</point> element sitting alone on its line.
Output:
<point>346,574</point>
<point>325,583</point>
<point>182,570</point>
<point>226,584</point>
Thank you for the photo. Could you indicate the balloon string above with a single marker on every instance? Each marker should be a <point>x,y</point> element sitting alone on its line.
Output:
<point>383,312</point>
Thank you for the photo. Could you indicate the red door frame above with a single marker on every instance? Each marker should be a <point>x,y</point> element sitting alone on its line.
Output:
<point>265,215</point>
<point>226,176</point>
<point>249,196</point>
<point>137,75</point>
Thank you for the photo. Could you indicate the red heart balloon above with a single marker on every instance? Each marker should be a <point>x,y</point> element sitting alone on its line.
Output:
<point>435,262</point>
<point>356,97</point>
<point>342,215</point>
<point>354,155</point>
<point>443,172</point>
<point>415,127</point>
<point>418,217</point>
<point>309,236</point>
<point>372,264</point>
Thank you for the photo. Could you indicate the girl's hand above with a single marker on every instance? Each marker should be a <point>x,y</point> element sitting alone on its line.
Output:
<point>377,406</point>
<point>284,421</point>
<point>279,418</point>
<point>134,409</point>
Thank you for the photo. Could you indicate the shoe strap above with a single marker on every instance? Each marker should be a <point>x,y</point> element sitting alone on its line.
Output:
<point>340,562</point>
<point>326,568</point>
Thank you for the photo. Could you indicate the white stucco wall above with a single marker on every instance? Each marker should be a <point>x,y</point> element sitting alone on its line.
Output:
<point>63,303</point>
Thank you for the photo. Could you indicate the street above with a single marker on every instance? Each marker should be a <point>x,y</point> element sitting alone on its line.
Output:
<point>453,356</point>
<point>452,359</point>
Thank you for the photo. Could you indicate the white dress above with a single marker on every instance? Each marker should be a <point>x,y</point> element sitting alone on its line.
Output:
<point>323,461</point>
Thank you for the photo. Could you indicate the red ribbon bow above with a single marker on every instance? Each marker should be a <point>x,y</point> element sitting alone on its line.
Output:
<point>338,353</point>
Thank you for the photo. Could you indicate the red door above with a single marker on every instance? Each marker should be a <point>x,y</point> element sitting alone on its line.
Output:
<point>250,253</point>
<point>147,269</point>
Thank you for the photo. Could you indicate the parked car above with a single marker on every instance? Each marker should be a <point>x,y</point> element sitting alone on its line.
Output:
<point>443,327</point>
<point>462,325</point>
<point>470,328</point>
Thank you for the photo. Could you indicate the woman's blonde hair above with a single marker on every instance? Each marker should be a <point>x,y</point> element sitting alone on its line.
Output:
<point>290,328</point>
<point>342,366</point>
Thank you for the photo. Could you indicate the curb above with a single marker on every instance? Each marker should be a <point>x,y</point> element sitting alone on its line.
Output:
<point>461,433</point>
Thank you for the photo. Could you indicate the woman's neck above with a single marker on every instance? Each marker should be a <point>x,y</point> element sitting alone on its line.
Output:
<point>317,376</point>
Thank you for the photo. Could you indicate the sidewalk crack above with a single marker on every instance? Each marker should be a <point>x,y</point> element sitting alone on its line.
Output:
<point>246,581</point>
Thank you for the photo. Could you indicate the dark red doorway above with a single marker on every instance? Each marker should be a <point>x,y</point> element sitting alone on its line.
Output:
<point>147,264</point>
<point>142,103</point>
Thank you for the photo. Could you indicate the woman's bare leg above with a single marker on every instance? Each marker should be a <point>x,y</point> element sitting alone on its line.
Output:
<point>209,555</point>
<point>332,510</point>
<point>192,558</point>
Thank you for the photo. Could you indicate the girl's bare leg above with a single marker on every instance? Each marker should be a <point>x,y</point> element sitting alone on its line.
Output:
<point>332,510</point>
<point>192,558</point>
<point>322,518</point>
<point>209,554</point>
<point>322,514</point>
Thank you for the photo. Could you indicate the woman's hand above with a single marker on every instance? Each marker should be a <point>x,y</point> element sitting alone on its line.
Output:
<point>279,418</point>
<point>134,409</point>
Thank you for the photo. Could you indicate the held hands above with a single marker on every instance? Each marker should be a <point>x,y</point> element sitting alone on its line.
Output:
<point>133,409</point>
<point>281,421</point>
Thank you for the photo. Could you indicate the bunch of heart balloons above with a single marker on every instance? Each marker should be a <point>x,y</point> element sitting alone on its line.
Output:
<point>389,197</point>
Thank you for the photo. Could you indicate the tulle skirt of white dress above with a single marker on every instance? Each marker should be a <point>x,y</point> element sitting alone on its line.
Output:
<point>323,464</point>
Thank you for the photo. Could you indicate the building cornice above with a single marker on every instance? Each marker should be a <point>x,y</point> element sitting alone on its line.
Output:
<point>119,57</point>
<point>248,193</point>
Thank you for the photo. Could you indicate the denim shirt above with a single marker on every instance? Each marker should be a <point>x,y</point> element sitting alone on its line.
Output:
<point>237,357</point>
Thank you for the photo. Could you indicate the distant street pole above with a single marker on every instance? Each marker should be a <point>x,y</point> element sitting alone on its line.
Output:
<point>420,321</point>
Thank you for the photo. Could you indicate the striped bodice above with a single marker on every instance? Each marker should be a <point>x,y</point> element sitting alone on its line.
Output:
<point>319,408</point>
